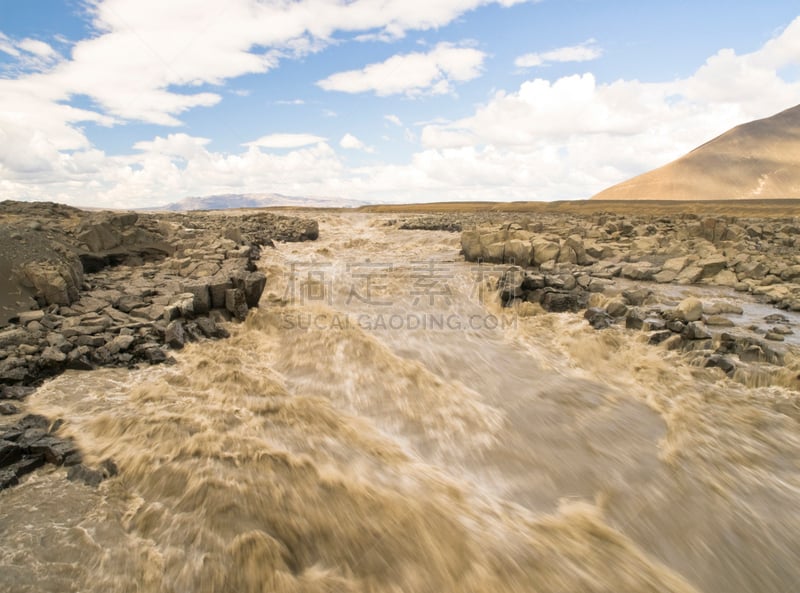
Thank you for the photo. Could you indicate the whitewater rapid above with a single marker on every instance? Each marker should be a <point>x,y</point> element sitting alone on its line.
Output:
<point>380,424</point>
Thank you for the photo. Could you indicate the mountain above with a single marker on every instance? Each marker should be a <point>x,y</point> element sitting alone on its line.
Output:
<point>225,201</point>
<point>760,159</point>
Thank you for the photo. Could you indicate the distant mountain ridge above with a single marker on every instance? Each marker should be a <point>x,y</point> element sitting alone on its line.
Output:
<point>226,201</point>
<point>759,159</point>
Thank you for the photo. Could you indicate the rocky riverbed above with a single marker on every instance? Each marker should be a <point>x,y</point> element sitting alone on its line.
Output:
<point>620,270</point>
<point>501,446</point>
<point>95,289</point>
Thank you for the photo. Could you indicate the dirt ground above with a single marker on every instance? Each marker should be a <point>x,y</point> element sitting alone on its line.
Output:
<point>738,208</point>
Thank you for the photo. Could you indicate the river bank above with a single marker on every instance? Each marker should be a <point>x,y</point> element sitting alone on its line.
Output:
<point>87,290</point>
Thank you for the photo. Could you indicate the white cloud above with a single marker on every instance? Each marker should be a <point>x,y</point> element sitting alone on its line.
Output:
<point>350,142</point>
<point>7,46</point>
<point>147,57</point>
<point>573,136</point>
<point>38,48</point>
<point>411,74</point>
<point>286,140</point>
<point>583,52</point>
<point>546,139</point>
<point>393,119</point>
<point>31,55</point>
<point>176,145</point>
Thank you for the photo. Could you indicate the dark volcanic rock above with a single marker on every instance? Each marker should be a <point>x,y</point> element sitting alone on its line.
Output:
<point>30,443</point>
<point>17,392</point>
<point>174,335</point>
<point>559,302</point>
<point>236,303</point>
<point>598,318</point>
<point>8,409</point>
<point>10,452</point>
<point>81,473</point>
<point>93,476</point>
<point>721,362</point>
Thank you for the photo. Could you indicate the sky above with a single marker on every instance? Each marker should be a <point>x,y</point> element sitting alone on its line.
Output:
<point>137,103</point>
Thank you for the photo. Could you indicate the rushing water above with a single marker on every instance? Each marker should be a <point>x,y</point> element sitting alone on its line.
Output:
<point>380,425</point>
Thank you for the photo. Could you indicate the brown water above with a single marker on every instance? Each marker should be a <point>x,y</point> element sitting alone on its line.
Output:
<point>332,445</point>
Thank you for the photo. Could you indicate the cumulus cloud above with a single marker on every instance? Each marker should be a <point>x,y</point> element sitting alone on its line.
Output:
<point>603,133</point>
<point>411,74</point>
<point>562,138</point>
<point>583,52</point>
<point>286,140</point>
<point>177,145</point>
<point>148,57</point>
<point>149,48</point>
<point>393,119</point>
<point>350,142</point>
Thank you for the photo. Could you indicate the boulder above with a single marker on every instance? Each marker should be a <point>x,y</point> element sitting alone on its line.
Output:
<point>690,275</point>
<point>130,302</point>
<point>494,252</point>
<point>15,392</point>
<point>725,278</point>
<point>254,285</point>
<point>636,297</point>
<point>518,252</point>
<point>722,307</point>
<point>217,286</point>
<point>55,283</point>
<point>639,271</point>
<point>665,276</point>
<point>616,308</point>
<point>533,282</point>
<point>100,237</point>
<point>54,449</point>
<point>694,330</point>
<point>675,264</point>
<point>120,344</point>
<point>53,355</point>
<point>471,245</point>
<point>27,316</point>
<point>711,266</point>
<point>81,473</point>
<point>14,337</point>
<point>201,296</point>
<point>598,318</point>
<point>721,362</point>
<point>558,302</point>
<point>174,336</point>
<point>8,409</point>
<point>184,303</point>
<point>210,329</point>
<point>689,309</point>
<point>567,255</point>
<point>10,452</point>
<point>658,337</point>
<point>236,303</point>
<point>544,251</point>
<point>719,321</point>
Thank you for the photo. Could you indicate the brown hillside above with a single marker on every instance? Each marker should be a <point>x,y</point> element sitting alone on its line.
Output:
<point>756,160</point>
